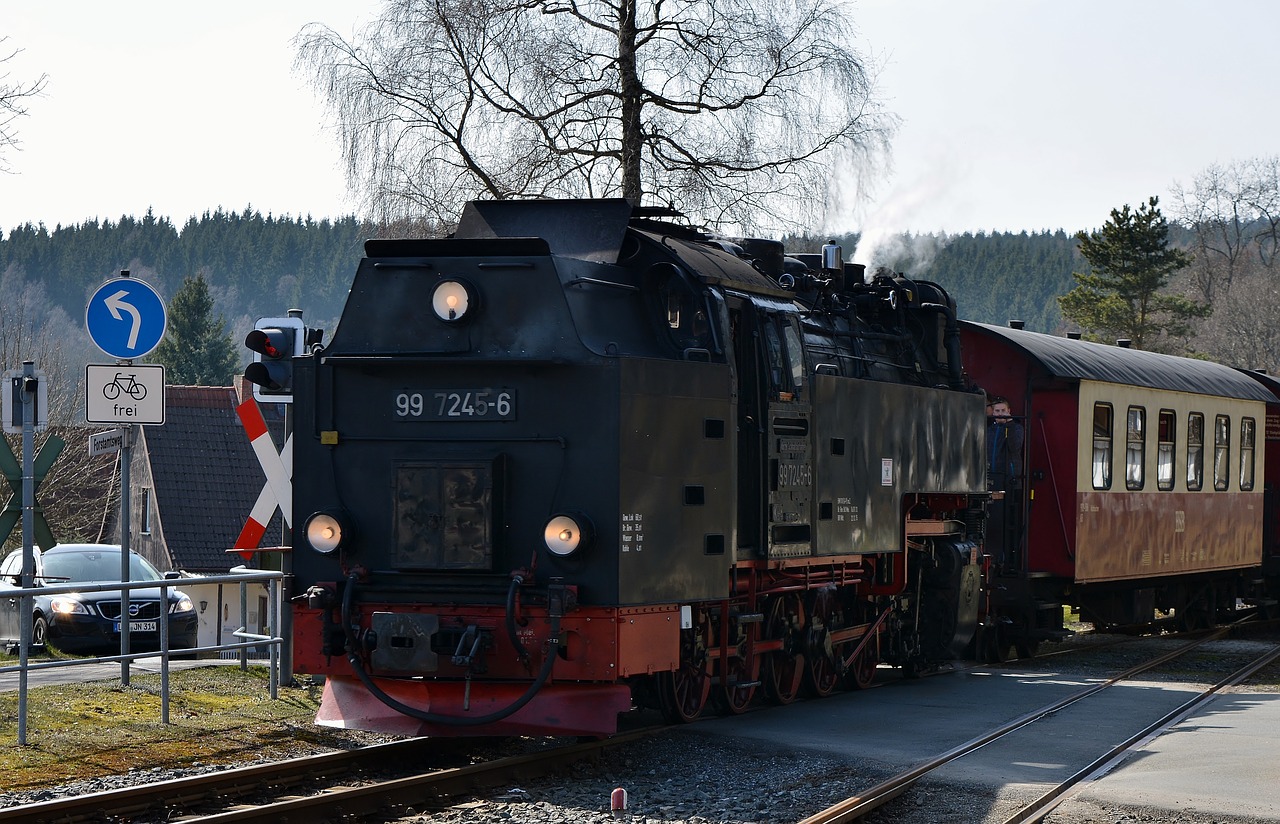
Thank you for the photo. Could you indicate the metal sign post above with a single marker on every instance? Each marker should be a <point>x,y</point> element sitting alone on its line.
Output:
<point>29,389</point>
<point>126,320</point>
<point>124,555</point>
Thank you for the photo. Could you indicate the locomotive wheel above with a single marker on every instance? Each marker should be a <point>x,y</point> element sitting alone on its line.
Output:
<point>740,667</point>
<point>823,677</point>
<point>1027,649</point>
<point>783,671</point>
<point>683,694</point>
<point>863,670</point>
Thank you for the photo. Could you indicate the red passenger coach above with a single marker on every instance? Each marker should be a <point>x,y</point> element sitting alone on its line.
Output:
<point>1271,472</point>
<point>1140,488</point>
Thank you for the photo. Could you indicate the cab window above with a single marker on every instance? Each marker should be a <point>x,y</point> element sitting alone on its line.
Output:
<point>795,357</point>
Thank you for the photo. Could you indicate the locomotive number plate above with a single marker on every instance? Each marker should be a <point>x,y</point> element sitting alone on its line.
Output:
<point>457,405</point>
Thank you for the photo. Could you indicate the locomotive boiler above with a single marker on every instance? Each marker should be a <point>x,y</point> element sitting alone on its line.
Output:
<point>579,457</point>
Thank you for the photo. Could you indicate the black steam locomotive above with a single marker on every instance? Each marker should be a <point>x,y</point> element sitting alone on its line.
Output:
<point>578,458</point>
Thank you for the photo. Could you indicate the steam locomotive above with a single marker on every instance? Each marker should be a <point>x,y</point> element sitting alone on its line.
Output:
<point>579,457</point>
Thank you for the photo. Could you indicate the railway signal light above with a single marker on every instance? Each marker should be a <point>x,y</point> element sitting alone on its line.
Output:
<point>275,343</point>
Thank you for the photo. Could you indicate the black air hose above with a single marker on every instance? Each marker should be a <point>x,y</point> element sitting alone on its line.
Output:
<point>353,657</point>
<point>516,581</point>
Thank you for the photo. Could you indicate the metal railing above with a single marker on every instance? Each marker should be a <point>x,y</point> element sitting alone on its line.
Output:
<point>271,578</point>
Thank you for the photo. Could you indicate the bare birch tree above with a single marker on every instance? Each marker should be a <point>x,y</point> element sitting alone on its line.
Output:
<point>14,96</point>
<point>1234,211</point>
<point>754,113</point>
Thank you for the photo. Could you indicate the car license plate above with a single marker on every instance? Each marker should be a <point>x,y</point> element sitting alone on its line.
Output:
<point>139,626</point>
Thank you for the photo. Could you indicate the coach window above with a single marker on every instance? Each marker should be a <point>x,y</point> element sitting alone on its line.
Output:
<point>1221,452</point>
<point>1102,434</point>
<point>1164,450</point>
<point>1195,451</point>
<point>1135,453</point>
<point>1247,428</point>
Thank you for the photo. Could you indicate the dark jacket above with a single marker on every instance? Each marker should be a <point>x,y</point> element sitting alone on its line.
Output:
<point>1004,454</point>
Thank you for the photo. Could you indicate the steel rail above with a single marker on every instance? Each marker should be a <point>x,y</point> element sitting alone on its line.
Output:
<point>307,778</point>
<point>1099,767</point>
<point>857,806</point>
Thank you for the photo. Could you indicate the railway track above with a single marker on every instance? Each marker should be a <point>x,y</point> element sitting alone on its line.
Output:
<point>371,783</point>
<point>855,807</point>
<point>341,785</point>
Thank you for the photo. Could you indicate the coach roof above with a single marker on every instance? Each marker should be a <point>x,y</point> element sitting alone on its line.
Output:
<point>1082,360</point>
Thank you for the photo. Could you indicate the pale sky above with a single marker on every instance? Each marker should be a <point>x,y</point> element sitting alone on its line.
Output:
<point>1017,114</point>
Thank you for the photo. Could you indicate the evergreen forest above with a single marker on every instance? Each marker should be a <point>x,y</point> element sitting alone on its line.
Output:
<point>263,266</point>
<point>260,265</point>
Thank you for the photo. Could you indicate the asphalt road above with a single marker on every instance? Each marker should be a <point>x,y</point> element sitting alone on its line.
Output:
<point>1218,761</point>
<point>92,670</point>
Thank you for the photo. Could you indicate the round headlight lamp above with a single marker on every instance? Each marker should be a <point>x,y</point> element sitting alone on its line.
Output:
<point>567,533</point>
<point>452,300</point>
<point>326,531</point>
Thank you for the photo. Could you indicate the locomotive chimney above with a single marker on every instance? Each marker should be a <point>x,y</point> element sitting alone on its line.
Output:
<point>1124,343</point>
<point>1016,324</point>
<point>832,257</point>
<point>1073,336</point>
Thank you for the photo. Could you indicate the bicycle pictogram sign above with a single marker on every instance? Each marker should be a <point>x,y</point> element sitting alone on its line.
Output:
<point>128,384</point>
<point>121,393</point>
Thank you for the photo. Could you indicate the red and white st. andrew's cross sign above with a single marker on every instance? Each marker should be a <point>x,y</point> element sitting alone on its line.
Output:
<point>279,471</point>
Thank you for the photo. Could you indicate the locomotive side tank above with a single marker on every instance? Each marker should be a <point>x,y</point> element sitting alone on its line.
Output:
<point>576,458</point>
<point>1142,490</point>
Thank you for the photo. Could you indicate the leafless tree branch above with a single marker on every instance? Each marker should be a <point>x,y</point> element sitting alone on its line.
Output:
<point>744,112</point>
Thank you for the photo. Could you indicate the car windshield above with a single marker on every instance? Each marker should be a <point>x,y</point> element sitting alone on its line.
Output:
<point>95,565</point>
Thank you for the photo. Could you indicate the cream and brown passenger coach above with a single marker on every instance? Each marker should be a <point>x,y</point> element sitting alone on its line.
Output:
<point>1142,485</point>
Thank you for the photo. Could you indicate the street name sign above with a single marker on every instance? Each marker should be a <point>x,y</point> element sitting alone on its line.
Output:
<point>124,394</point>
<point>105,443</point>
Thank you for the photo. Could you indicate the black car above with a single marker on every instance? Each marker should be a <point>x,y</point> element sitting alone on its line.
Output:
<point>89,622</point>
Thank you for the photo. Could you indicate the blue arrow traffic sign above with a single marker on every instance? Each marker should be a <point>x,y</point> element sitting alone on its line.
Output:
<point>125,318</point>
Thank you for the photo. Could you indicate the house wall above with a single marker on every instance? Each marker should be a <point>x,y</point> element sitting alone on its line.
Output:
<point>150,543</point>
<point>218,607</point>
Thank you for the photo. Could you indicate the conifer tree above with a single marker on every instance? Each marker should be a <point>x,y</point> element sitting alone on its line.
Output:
<point>1122,297</point>
<point>197,350</point>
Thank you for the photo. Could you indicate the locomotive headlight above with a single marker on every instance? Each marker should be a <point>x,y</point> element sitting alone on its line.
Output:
<point>325,531</point>
<point>452,300</point>
<point>565,534</point>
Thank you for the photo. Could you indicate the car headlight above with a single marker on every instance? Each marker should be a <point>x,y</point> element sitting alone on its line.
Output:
<point>66,605</point>
<point>567,533</point>
<point>183,604</point>
<point>452,300</point>
<point>326,531</point>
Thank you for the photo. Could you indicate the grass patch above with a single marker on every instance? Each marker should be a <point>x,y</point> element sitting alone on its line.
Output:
<point>217,715</point>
